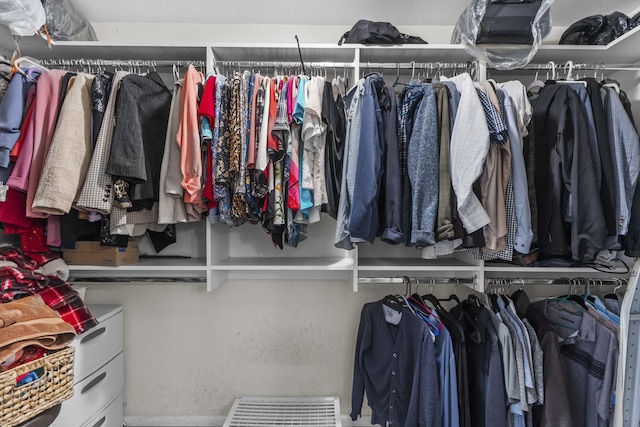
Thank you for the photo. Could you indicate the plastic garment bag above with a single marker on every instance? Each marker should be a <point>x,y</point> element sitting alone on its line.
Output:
<point>66,23</point>
<point>504,33</point>
<point>23,17</point>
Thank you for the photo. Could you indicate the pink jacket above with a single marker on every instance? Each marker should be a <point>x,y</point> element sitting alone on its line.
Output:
<point>44,120</point>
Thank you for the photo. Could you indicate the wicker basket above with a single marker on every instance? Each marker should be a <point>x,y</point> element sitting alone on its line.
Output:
<point>20,404</point>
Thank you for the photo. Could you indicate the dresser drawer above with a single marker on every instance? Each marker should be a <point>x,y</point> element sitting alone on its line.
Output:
<point>97,345</point>
<point>93,394</point>
<point>113,416</point>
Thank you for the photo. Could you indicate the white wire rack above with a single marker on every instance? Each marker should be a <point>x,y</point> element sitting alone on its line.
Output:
<point>251,411</point>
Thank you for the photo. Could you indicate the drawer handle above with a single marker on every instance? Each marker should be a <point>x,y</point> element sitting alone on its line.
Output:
<point>100,422</point>
<point>93,334</point>
<point>94,382</point>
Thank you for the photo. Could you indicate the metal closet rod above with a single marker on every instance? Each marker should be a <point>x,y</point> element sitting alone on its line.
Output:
<point>387,65</point>
<point>420,280</point>
<point>614,281</point>
<point>284,64</point>
<point>121,62</point>
<point>580,67</point>
<point>432,66</point>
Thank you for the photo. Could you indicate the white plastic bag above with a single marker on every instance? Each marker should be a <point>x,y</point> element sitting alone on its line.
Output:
<point>500,56</point>
<point>23,17</point>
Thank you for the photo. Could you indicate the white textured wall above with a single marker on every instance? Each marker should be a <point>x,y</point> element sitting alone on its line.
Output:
<point>189,353</point>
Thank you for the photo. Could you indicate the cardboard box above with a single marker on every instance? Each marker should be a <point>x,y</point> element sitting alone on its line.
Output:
<point>93,246</point>
<point>91,253</point>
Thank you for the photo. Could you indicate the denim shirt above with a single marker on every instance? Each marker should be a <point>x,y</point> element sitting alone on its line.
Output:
<point>354,117</point>
<point>363,220</point>
<point>524,232</point>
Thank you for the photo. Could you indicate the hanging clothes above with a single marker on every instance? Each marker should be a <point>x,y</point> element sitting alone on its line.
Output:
<point>333,115</point>
<point>69,154</point>
<point>395,365</point>
<point>138,136</point>
<point>171,206</point>
<point>565,179</point>
<point>486,380</point>
<point>188,140</point>
<point>97,191</point>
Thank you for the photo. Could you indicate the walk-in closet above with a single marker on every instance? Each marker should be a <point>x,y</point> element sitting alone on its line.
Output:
<point>354,234</point>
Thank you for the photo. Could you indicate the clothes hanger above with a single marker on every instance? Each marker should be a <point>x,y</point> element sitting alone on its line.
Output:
<point>397,80</point>
<point>396,301</point>
<point>577,303</point>
<point>612,84</point>
<point>25,59</point>
<point>619,285</point>
<point>392,302</point>
<point>418,300</point>
<point>536,83</point>
<point>580,300</point>
<point>15,65</point>
<point>432,298</point>
<point>452,297</point>
<point>568,79</point>
<point>425,314</point>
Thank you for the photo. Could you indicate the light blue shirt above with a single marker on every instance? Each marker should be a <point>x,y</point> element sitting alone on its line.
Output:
<point>599,305</point>
<point>507,315</point>
<point>524,232</point>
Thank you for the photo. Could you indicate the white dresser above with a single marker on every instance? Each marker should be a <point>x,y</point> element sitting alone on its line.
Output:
<point>98,373</point>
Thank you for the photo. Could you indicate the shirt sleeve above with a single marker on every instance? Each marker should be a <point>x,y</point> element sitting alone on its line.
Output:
<point>362,343</point>
<point>469,148</point>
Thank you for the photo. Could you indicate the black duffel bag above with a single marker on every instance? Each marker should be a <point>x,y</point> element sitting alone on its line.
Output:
<point>597,29</point>
<point>372,33</point>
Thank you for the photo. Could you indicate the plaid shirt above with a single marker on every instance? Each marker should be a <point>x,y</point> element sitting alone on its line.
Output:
<point>498,134</point>
<point>22,281</point>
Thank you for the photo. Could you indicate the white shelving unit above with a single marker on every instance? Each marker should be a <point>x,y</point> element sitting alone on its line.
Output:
<point>216,253</point>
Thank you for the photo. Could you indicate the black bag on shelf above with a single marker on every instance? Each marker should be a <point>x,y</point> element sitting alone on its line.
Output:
<point>369,32</point>
<point>510,22</point>
<point>598,29</point>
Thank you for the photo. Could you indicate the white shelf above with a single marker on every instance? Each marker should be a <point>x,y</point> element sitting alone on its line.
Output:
<point>623,50</point>
<point>415,52</point>
<point>415,264</point>
<point>173,269</point>
<point>284,264</point>
<point>151,265</point>
<point>37,47</point>
<point>284,52</point>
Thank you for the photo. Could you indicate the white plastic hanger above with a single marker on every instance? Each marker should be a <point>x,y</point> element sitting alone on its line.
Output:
<point>569,76</point>
<point>29,61</point>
